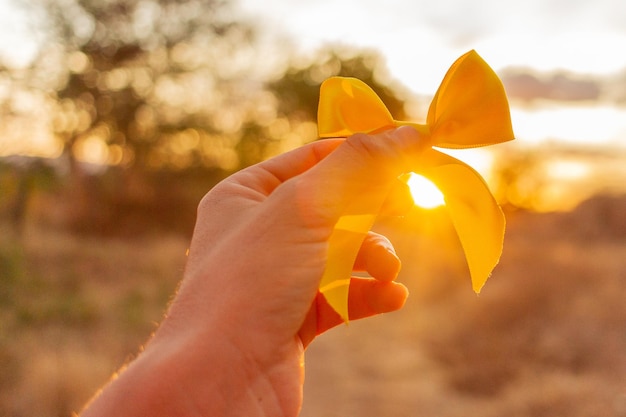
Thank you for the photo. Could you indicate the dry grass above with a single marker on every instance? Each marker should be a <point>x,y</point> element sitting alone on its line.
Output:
<point>546,337</point>
<point>76,310</point>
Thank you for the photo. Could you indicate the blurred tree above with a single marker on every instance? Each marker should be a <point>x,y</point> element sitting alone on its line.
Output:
<point>141,85</point>
<point>20,178</point>
<point>519,179</point>
<point>139,78</point>
<point>153,90</point>
<point>296,92</point>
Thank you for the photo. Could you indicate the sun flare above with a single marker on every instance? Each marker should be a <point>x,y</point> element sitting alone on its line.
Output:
<point>425,194</point>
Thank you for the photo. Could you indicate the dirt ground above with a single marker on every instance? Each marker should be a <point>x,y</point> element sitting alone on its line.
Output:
<point>546,337</point>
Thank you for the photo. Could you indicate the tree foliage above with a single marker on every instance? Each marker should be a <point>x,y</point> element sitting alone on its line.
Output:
<point>144,78</point>
<point>298,90</point>
<point>296,96</point>
<point>166,97</point>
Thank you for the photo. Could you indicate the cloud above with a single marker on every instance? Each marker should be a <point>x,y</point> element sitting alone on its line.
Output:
<point>528,85</point>
<point>561,86</point>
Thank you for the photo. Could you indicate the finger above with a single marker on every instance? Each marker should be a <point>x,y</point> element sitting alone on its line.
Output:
<point>367,297</point>
<point>357,177</point>
<point>378,258</point>
<point>399,202</point>
<point>267,175</point>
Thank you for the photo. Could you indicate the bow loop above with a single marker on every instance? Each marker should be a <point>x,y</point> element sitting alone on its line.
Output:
<point>348,105</point>
<point>470,108</point>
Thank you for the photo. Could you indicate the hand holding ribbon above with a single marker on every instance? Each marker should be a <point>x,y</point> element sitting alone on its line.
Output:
<point>470,109</point>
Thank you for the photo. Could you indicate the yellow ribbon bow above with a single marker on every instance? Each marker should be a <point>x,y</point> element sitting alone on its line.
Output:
<point>470,109</point>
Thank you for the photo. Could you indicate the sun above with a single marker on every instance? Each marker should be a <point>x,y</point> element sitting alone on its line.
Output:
<point>425,194</point>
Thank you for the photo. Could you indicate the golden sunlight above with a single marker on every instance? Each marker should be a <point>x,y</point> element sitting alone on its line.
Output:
<point>425,194</point>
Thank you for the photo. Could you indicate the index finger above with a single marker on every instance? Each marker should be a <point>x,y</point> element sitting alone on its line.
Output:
<point>297,161</point>
<point>267,175</point>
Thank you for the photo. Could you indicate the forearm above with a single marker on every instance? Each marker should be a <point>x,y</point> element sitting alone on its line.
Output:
<point>192,381</point>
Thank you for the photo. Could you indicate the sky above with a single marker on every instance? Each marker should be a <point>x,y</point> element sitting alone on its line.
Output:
<point>14,35</point>
<point>420,38</point>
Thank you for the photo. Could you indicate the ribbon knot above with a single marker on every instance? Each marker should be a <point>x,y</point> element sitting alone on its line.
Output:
<point>470,109</point>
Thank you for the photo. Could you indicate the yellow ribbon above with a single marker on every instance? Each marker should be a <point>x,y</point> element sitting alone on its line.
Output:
<point>470,109</point>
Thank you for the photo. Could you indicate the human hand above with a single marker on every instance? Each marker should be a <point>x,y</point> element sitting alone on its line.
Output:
<point>233,340</point>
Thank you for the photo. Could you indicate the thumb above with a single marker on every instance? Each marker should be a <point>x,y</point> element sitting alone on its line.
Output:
<point>357,176</point>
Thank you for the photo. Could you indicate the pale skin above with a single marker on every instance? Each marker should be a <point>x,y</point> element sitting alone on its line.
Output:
<point>233,340</point>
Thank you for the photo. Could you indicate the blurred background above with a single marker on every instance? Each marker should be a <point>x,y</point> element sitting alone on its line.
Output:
<point>117,116</point>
